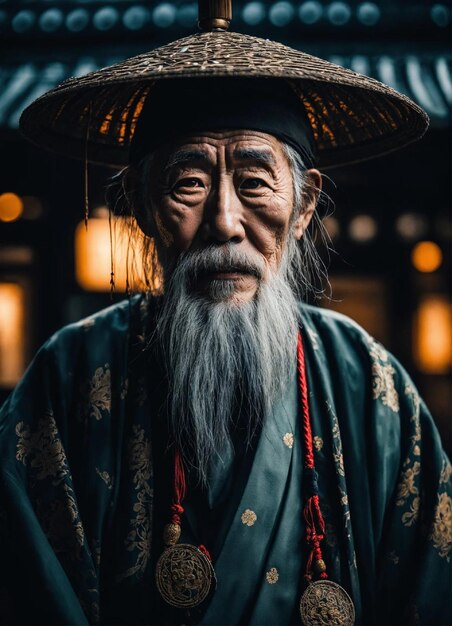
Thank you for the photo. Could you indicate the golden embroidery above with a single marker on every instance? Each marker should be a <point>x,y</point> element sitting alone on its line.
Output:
<point>105,476</point>
<point>140,535</point>
<point>415,438</point>
<point>441,534</point>
<point>377,352</point>
<point>99,392</point>
<point>318,443</point>
<point>272,576</point>
<point>248,517</point>
<point>446,472</point>
<point>61,524</point>
<point>412,515</point>
<point>43,451</point>
<point>339,460</point>
<point>383,377</point>
<point>340,471</point>
<point>407,485</point>
<point>288,440</point>
<point>392,556</point>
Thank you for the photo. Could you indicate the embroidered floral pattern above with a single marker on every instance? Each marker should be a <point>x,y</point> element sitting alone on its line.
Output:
<point>318,443</point>
<point>99,392</point>
<point>288,440</point>
<point>139,538</point>
<point>441,534</point>
<point>383,387</point>
<point>407,485</point>
<point>393,557</point>
<point>272,576</point>
<point>446,472</point>
<point>41,449</point>
<point>105,476</point>
<point>411,516</point>
<point>248,517</point>
<point>338,458</point>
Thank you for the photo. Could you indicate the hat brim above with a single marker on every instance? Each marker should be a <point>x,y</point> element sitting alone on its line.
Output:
<point>353,117</point>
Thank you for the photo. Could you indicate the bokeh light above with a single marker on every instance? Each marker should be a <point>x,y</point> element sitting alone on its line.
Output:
<point>77,20</point>
<point>411,226</point>
<point>339,13</point>
<point>164,15</point>
<point>368,13</point>
<point>253,13</point>
<point>11,207</point>
<point>310,12</point>
<point>363,228</point>
<point>281,14</point>
<point>426,256</point>
<point>433,336</point>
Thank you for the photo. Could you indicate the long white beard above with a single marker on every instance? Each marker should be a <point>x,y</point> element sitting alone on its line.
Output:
<point>224,359</point>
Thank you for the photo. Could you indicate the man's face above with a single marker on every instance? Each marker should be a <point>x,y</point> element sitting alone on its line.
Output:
<point>229,187</point>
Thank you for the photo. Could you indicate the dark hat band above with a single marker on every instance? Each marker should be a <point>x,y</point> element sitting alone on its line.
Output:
<point>179,107</point>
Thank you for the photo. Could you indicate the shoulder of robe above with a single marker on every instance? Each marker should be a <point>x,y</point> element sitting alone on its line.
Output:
<point>112,321</point>
<point>336,333</point>
<point>357,362</point>
<point>72,353</point>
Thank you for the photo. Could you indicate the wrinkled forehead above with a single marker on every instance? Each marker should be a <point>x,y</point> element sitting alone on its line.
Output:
<point>239,146</point>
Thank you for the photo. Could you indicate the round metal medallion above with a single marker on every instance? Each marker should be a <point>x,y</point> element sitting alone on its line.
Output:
<point>325,603</point>
<point>184,575</point>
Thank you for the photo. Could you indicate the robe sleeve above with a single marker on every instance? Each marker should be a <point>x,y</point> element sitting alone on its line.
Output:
<point>42,531</point>
<point>414,558</point>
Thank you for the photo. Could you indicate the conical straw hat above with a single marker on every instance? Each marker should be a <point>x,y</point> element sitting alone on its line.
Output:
<point>353,117</point>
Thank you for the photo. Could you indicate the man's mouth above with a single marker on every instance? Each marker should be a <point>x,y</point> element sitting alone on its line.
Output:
<point>227,273</point>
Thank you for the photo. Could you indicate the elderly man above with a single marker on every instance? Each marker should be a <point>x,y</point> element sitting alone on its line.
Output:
<point>210,453</point>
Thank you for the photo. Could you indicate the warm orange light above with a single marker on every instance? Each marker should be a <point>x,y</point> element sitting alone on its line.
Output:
<point>93,254</point>
<point>426,256</point>
<point>433,341</point>
<point>11,207</point>
<point>12,342</point>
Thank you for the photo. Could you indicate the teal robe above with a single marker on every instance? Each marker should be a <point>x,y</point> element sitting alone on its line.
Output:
<point>85,486</point>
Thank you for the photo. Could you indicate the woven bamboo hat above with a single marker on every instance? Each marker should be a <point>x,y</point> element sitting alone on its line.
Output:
<point>353,117</point>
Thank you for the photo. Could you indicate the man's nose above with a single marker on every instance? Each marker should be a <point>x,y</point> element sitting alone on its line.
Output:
<point>223,215</point>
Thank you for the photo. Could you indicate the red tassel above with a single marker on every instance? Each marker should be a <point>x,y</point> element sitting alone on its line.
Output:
<point>205,551</point>
<point>315,524</point>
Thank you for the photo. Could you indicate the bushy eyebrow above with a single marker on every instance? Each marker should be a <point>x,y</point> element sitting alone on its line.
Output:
<point>185,156</point>
<point>263,157</point>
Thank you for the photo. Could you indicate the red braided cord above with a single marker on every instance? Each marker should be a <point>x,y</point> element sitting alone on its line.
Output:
<point>180,488</point>
<point>205,551</point>
<point>315,524</point>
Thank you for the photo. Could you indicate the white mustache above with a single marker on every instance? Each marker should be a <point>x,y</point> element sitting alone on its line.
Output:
<point>220,259</point>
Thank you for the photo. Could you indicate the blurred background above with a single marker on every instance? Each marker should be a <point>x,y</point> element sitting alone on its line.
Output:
<point>391,228</point>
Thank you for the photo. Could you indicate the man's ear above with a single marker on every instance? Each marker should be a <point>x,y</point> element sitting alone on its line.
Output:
<point>310,195</point>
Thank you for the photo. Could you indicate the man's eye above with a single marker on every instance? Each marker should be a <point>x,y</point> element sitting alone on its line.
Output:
<point>188,183</point>
<point>252,183</point>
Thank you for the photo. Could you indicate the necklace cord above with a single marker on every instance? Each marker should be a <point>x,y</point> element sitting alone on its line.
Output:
<point>315,524</point>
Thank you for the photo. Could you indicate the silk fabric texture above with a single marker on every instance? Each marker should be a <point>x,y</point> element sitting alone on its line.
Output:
<point>86,486</point>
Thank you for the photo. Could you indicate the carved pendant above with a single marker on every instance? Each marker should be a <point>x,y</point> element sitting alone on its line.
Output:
<point>325,603</point>
<point>184,575</point>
